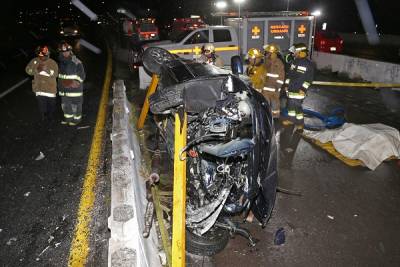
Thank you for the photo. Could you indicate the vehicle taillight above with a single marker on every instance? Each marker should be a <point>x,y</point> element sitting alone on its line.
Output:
<point>341,41</point>
<point>322,42</point>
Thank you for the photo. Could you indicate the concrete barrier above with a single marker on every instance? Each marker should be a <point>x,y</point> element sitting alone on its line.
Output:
<point>127,247</point>
<point>368,70</point>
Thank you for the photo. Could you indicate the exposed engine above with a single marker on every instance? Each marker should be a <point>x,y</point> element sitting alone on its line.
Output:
<point>219,141</point>
<point>231,156</point>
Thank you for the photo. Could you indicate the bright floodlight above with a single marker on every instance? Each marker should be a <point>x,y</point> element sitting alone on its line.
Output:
<point>316,13</point>
<point>239,1</point>
<point>221,4</point>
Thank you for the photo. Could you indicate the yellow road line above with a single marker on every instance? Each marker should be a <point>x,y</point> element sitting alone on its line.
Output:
<point>80,244</point>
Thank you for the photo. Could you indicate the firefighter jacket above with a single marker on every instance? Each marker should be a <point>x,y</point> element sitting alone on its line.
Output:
<point>300,77</point>
<point>213,60</point>
<point>257,75</point>
<point>44,74</point>
<point>71,76</point>
<point>275,75</point>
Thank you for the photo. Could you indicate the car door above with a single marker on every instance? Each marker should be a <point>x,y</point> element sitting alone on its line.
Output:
<point>225,45</point>
<point>191,47</point>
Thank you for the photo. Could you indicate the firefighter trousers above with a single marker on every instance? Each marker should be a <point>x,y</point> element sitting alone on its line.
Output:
<point>295,110</point>
<point>274,102</point>
<point>47,107</point>
<point>72,108</point>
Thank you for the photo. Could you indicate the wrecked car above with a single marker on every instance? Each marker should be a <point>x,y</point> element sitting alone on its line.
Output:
<point>231,151</point>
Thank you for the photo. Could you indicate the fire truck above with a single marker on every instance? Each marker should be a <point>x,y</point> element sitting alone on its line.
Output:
<point>140,30</point>
<point>180,25</point>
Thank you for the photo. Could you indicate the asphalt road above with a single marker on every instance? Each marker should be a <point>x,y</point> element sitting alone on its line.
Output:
<point>39,198</point>
<point>346,216</point>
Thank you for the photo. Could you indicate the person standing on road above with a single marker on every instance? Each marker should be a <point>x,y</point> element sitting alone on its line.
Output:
<point>44,84</point>
<point>208,56</point>
<point>70,85</point>
<point>256,70</point>
<point>288,59</point>
<point>299,79</point>
<point>275,77</point>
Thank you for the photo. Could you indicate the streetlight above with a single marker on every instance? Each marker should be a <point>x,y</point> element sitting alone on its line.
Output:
<point>239,2</point>
<point>287,6</point>
<point>316,14</point>
<point>221,5</point>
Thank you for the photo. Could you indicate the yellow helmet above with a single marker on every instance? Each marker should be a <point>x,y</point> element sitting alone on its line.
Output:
<point>208,48</point>
<point>254,53</point>
<point>271,48</point>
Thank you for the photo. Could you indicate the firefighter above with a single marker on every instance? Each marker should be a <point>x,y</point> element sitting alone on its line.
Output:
<point>275,77</point>
<point>208,56</point>
<point>70,85</point>
<point>256,70</point>
<point>288,60</point>
<point>299,79</point>
<point>44,71</point>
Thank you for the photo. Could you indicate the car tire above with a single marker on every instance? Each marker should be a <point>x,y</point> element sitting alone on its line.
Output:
<point>154,58</point>
<point>209,244</point>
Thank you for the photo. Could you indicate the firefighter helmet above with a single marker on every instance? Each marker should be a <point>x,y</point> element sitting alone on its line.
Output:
<point>301,47</point>
<point>271,48</point>
<point>301,50</point>
<point>64,47</point>
<point>208,49</point>
<point>254,53</point>
<point>42,51</point>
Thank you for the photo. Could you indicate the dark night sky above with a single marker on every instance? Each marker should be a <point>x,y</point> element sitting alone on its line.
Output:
<point>341,15</point>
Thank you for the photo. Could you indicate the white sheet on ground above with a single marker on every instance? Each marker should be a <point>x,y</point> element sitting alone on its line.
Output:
<point>370,143</point>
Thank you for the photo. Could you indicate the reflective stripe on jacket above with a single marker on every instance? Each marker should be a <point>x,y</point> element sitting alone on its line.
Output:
<point>275,73</point>
<point>70,68</point>
<point>300,75</point>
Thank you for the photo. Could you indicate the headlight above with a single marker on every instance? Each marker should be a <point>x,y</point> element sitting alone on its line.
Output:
<point>61,32</point>
<point>75,31</point>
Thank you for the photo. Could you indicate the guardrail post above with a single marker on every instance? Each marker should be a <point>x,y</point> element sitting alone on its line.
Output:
<point>179,194</point>
<point>146,104</point>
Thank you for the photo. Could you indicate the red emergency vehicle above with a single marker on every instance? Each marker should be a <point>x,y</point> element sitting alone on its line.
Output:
<point>143,29</point>
<point>180,25</point>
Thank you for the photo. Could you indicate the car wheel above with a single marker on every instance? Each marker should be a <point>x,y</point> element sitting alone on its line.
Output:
<point>154,57</point>
<point>209,244</point>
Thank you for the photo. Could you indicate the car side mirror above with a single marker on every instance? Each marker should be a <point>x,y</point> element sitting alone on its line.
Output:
<point>236,65</point>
